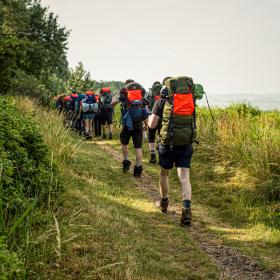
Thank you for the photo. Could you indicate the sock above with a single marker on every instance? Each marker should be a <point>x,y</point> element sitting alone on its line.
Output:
<point>187,203</point>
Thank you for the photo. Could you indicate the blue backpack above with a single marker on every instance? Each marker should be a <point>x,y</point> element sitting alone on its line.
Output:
<point>89,104</point>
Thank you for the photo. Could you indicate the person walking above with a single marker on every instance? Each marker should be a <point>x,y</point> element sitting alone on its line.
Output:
<point>176,109</point>
<point>88,108</point>
<point>106,112</point>
<point>155,95</point>
<point>134,115</point>
<point>97,119</point>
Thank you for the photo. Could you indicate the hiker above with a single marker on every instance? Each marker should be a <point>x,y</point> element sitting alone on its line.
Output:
<point>88,107</point>
<point>134,115</point>
<point>59,103</point>
<point>176,109</point>
<point>155,95</point>
<point>97,120</point>
<point>106,112</point>
<point>66,110</point>
<point>79,120</point>
<point>72,110</point>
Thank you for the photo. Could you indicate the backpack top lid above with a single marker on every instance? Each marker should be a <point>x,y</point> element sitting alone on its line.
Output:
<point>133,86</point>
<point>106,89</point>
<point>89,92</point>
<point>90,99</point>
<point>156,88</point>
<point>74,95</point>
<point>68,97</point>
<point>181,84</point>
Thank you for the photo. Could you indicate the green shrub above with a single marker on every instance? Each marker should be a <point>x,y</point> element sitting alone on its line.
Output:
<point>42,90</point>
<point>28,175</point>
<point>10,265</point>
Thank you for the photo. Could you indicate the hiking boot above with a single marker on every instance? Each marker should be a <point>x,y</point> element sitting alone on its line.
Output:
<point>186,217</point>
<point>104,136</point>
<point>137,171</point>
<point>110,136</point>
<point>153,158</point>
<point>163,204</point>
<point>126,164</point>
<point>86,134</point>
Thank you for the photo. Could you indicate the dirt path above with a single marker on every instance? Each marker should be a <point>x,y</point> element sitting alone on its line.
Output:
<point>232,263</point>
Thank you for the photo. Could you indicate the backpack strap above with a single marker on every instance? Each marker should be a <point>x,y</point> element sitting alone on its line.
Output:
<point>171,124</point>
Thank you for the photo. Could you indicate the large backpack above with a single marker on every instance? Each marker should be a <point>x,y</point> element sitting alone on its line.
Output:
<point>67,103</point>
<point>81,96</point>
<point>135,98</point>
<point>89,104</point>
<point>106,100</point>
<point>178,122</point>
<point>155,90</point>
<point>74,99</point>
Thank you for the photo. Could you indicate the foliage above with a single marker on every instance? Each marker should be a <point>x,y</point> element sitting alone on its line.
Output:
<point>81,80</point>
<point>33,43</point>
<point>28,175</point>
<point>10,266</point>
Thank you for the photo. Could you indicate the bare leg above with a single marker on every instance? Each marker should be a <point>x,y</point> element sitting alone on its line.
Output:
<point>86,125</point>
<point>184,178</point>
<point>104,129</point>
<point>111,128</point>
<point>152,147</point>
<point>125,152</point>
<point>138,153</point>
<point>90,127</point>
<point>163,182</point>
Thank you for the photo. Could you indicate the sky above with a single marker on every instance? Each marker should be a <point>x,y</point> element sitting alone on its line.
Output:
<point>229,46</point>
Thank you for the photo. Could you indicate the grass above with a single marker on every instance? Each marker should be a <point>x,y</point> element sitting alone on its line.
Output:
<point>104,227</point>
<point>235,179</point>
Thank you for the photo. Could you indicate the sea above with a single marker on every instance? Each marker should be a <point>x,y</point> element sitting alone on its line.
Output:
<point>265,102</point>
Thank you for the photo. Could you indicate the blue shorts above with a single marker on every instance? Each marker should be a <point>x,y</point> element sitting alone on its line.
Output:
<point>88,116</point>
<point>181,156</point>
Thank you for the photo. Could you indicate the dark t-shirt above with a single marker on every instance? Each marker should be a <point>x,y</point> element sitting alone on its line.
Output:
<point>158,107</point>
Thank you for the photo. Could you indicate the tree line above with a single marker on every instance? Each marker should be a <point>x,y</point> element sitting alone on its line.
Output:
<point>33,53</point>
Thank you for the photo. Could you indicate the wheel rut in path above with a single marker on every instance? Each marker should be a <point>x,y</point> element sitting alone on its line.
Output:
<point>232,263</point>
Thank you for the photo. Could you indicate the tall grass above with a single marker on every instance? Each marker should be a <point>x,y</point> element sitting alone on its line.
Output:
<point>246,143</point>
<point>244,138</point>
<point>52,127</point>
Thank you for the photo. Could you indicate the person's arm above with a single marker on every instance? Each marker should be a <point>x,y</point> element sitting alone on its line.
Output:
<point>157,113</point>
<point>153,121</point>
<point>145,124</point>
<point>119,98</point>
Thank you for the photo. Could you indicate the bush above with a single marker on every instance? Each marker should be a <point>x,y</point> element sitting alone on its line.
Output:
<point>28,175</point>
<point>29,86</point>
<point>10,266</point>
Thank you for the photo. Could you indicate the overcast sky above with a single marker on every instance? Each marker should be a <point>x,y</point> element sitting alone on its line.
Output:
<point>230,46</point>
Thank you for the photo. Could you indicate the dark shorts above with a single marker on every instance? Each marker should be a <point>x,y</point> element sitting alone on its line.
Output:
<point>106,117</point>
<point>136,134</point>
<point>88,116</point>
<point>180,156</point>
<point>152,134</point>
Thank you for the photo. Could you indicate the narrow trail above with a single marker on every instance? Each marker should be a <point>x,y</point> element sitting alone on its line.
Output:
<point>231,263</point>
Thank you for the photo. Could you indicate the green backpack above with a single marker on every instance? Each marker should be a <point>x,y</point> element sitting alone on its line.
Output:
<point>105,102</point>
<point>198,91</point>
<point>155,94</point>
<point>178,121</point>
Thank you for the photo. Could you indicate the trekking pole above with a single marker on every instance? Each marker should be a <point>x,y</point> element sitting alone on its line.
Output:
<point>209,107</point>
